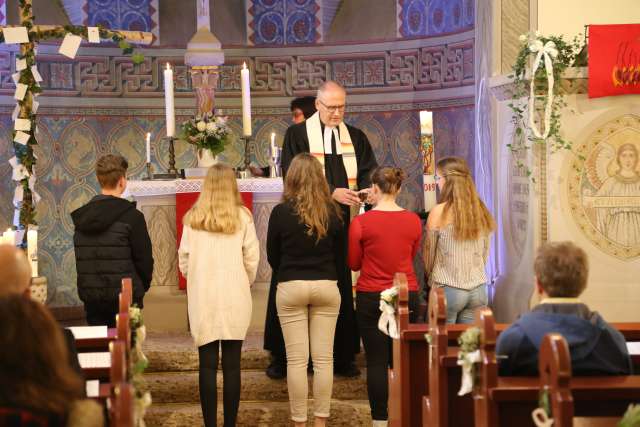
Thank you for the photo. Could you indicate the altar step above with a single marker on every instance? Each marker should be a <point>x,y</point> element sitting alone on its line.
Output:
<point>172,378</point>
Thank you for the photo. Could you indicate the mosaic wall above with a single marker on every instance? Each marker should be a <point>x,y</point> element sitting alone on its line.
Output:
<point>453,133</point>
<point>135,15</point>
<point>69,146</point>
<point>442,66</point>
<point>434,17</point>
<point>3,12</point>
<point>283,22</point>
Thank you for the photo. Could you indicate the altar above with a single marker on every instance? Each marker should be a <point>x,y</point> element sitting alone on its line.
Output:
<point>163,203</point>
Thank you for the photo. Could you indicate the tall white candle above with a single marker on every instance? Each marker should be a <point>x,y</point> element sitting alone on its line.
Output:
<point>148,147</point>
<point>246,100</point>
<point>273,142</point>
<point>32,251</point>
<point>169,101</point>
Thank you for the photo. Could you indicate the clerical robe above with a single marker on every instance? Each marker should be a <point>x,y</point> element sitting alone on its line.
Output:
<point>347,340</point>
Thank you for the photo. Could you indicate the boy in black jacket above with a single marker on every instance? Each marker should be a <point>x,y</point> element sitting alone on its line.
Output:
<point>111,242</point>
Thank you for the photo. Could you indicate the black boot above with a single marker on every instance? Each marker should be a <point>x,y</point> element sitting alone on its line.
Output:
<point>277,369</point>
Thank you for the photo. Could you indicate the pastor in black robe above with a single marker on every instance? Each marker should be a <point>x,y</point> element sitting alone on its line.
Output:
<point>347,339</point>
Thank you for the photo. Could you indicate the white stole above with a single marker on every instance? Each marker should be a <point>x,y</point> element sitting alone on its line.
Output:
<point>317,146</point>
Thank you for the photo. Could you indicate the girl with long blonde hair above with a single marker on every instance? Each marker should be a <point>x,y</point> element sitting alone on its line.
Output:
<point>218,255</point>
<point>457,243</point>
<point>302,240</point>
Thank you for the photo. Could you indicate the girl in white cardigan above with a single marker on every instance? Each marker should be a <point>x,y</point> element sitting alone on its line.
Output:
<point>218,256</point>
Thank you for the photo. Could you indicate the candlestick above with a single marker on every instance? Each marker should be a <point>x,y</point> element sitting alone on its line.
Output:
<point>32,250</point>
<point>148,146</point>
<point>246,100</point>
<point>169,102</point>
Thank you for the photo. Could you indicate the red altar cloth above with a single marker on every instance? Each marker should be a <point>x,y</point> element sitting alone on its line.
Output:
<point>184,201</point>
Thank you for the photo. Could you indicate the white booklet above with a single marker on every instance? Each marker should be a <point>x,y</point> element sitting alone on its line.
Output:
<point>633,347</point>
<point>95,360</point>
<point>80,332</point>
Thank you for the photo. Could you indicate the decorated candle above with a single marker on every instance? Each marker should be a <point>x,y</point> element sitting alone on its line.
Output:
<point>32,251</point>
<point>273,143</point>
<point>169,101</point>
<point>246,100</point>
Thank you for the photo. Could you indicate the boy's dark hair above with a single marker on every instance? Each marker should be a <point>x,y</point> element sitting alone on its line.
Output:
<point>562,269</point>
<point>109,170</point>
<point>306,104</point>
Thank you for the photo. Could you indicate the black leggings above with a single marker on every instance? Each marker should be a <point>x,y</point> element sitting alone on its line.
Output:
<point>377,349</point>
<point>208,354</point>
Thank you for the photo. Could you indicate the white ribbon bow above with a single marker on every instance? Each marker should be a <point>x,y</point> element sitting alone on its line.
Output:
<point>140,408</point>
<point>467,362</point>
<point>387,322</point>
<point>540,418</point>
<point>548,51</point>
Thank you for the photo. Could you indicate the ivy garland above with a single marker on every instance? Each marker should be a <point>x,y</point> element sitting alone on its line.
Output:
<point>564,56</point>
<point>24,153</point>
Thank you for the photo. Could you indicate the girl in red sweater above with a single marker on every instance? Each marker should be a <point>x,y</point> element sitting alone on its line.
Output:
<point>382,242</point>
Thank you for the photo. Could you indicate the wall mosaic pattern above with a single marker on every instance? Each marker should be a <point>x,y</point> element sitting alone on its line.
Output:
<point>3,12</point>
<point>283,22</point>
<point>69,146</point>
<point>434,17</point>
<point>441,66</point>
<point>135,15</point>
<point>453,133</point>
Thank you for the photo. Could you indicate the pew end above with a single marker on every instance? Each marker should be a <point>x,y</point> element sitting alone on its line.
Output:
<point>127,291</point>
<point>554,365</point>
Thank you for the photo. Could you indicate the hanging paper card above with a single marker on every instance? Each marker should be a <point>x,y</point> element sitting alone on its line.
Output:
<point>18,195</point>
<point>15,113</point>
<point>21,137</point>
<point>34,107</point>
<point>93,35</point>
<point>21,91</point>
<point>21,64</point>
<point>36,74</point>
<point>15,35</point>
<point>22,124</point>
<point>70,45</point>
<point>15,77</point>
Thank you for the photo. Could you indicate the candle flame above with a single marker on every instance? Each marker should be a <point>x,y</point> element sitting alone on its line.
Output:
<point>168,67</point>
<point>148,135</point>
<point>244,65</point>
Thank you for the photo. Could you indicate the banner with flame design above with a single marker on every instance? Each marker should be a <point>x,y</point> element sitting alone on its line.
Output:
<point>614,60</point>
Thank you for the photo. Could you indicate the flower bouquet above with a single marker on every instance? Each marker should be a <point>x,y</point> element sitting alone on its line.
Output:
<point>206,132</point>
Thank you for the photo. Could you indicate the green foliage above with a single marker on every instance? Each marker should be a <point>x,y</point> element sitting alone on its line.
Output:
<point>206,132</point>
<point>469,340</point>
<point>631,418</point>
<point>520,93</point>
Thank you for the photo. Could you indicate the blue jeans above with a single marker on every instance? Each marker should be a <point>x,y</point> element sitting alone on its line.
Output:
<point>461,304</point>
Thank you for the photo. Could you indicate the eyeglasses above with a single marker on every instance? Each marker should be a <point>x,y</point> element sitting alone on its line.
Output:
<point>332,108</point>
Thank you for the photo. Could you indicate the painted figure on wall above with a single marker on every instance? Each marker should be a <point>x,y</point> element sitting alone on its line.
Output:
<point>619,218</point>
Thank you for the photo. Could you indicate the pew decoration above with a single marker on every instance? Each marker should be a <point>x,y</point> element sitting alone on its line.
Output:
<point>541,416</point>
<point>139,363</point>
<point>631,418</point>
<point>468,356</point>
<point>387,323</point>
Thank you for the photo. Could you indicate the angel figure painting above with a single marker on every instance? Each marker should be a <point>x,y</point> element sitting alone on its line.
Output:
<point>611,191</point>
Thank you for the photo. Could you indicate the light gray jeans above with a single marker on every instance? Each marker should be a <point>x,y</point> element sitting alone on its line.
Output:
<point>308,311</point>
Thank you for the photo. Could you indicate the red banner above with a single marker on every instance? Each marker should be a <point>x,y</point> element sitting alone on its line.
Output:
<point>614,60</point>
<point>184,201</point>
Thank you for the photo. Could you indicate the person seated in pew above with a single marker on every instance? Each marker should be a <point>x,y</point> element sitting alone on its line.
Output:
<point>111,242</point>
<point>561,270</point>
<point>457,241</point>
<point>382,242</point>
<point>38,387</point>
<point>15,278</point>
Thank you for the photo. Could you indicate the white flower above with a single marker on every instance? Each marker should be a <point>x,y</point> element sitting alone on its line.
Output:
<point>211,126</point>
<point>389,294</point>
<point>538,34</point>
<point>522,38</point>
<point>201,126</point>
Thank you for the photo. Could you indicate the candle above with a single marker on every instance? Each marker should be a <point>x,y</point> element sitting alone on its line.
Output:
<point>273,143</point>
<point>148,147</point>
<point>246,100</point>
<point>32,251</point>
<point>168,101</point>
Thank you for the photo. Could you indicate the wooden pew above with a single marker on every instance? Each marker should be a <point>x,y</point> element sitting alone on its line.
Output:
<point>508,401</point>
<point>123,333</point>
<point>554,365</point>
<point>127,292</point>
<point>119,392</point>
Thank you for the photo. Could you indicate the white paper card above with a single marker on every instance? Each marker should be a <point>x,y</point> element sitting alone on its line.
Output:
<point>21,91</point>
<point>95,360</point>
<point>21,64</point>
<point>34,107</point>
<point>70,45</point>
<point>93,35</point>
<point>22,124</point>
<point>22,138</point>
<point>80,332</point>
<point>633,347</point>
<point>15,77</point>
<point>15,113</point>
<point>93,388</point>
<point>18,195</point>
<point>36,74</point>
<point>15,35</point>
